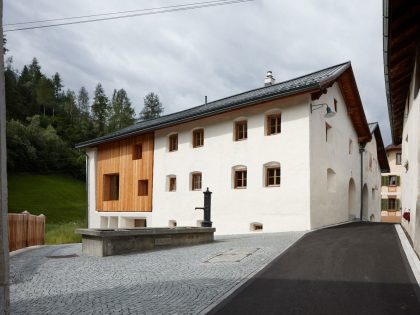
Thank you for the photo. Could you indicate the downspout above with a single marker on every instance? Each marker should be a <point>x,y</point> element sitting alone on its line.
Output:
<point>87,190</point>
<point>361,150</point>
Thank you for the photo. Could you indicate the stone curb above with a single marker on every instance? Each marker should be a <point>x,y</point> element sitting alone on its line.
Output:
<point>412,258</point>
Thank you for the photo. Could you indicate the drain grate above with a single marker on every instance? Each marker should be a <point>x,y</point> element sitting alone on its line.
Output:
<point>232,255</point>
<point>62,256</point>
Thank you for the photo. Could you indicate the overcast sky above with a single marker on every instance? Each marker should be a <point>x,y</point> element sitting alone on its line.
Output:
<point>217,51</point>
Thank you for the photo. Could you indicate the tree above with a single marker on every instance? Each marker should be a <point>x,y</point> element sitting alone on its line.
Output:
<point>152,107</point>
<point>122,114</point>
<point>83,100</point>
<point>100,109</point>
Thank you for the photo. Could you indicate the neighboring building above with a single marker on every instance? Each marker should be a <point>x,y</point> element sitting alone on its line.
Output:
<point>402,80</point>
<point>391,186</point>
<point>273,157</point>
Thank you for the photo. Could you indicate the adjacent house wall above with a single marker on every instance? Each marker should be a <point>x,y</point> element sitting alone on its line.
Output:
<point>410,195</point>
<point>372,179</point>
<point>330,203</point>
<point>283,208</point>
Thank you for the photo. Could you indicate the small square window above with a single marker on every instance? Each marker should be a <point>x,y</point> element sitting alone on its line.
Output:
<point>398,159</point>
<point>173,143</point>
<point>241,130</point>
<point>273,176</point>
<point>198,138</point>
<point>143,189</point>
<point>172,183</point>
<point>240,179</point>
<point>273,124</point>
<point>111,187</point>
<point>137,151</point>
<point>196,181</point>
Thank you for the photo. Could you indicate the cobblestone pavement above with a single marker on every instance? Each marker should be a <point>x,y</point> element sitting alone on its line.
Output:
<point>182,280</point>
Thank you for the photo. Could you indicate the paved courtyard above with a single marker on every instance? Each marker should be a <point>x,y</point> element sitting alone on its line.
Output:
<point>183,280</point>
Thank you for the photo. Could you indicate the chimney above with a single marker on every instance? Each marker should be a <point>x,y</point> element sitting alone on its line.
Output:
<point>269,79</point>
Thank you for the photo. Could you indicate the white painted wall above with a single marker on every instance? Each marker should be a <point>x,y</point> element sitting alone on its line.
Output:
<point>410,194</point>
<point>330,207</point>
<point>283,208</point>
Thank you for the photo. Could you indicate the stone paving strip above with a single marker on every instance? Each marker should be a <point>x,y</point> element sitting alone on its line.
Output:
<point>182,280</point>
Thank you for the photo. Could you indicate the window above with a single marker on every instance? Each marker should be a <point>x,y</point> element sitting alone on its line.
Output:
<point>143,187</point>
<point>370,161</point>
<point>173,142</point>
<point>335,105</point>
<point>392,204</point>
<point>140,223</point>
<point>331,182</point>
<point>198,138</point>
<point>172,223</point>
<point>111,187</point>
<point>137,151</point>
<point>350,146</point>
<point>196,180</point>
<point>241,130</point>
<point>398,159</point>
<point>256,226</point>
<point>392,180</point>
<point>172,183</point>
<point>327,132</point>
<point>272,176</point>
<point>240,179</point>
<point>273,124</point>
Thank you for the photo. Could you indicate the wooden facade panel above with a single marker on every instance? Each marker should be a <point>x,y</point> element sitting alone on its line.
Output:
<point>118,157</point>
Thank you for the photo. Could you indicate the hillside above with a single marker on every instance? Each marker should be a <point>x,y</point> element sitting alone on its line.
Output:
<point>60,198</point>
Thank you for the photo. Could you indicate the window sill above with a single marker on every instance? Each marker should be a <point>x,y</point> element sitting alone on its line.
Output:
<point>198,146</point>
<point>268,186</point>
<point>239,188</point>
<point>239,140</point>
<point>170,151</point>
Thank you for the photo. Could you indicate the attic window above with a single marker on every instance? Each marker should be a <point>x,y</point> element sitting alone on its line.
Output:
<point>137,151</point>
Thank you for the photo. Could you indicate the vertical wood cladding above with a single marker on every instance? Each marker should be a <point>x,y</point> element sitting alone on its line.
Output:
<point>117,158</point>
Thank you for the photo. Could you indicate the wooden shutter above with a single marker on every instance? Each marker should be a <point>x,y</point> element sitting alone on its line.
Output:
<point>384,204</point>
<point>398,181</point>
<point>397,204</point>
<point>383,182</point>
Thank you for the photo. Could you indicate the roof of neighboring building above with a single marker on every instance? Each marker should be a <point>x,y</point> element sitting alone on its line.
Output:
<point>381,152</point>
<point>393,147</point>
<point>316,83</point>
<point>401,30</point>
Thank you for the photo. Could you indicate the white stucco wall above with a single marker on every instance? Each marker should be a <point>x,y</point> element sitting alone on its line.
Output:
<point>410,186</point>
<point>283,208</point>
<point>372,178</point>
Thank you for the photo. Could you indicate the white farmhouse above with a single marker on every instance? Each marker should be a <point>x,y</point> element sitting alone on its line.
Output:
<point>290,156</point>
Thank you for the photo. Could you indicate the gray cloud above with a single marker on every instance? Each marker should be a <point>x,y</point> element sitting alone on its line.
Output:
<point>216,51</point>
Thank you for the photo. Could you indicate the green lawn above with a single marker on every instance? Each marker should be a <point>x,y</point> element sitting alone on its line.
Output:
<point>61,198</point>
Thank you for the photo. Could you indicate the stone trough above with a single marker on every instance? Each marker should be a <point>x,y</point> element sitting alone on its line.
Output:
<point>109,242</point>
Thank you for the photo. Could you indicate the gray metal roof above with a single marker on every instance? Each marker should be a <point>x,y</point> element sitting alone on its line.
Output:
<point>315,80</point>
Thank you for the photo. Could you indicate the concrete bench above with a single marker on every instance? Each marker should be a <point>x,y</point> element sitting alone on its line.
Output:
<point>109,242</point>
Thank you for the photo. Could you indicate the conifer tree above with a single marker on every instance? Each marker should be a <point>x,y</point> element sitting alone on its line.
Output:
<point>152,107</point>
<point>100,109</point>
<point>122,114</point>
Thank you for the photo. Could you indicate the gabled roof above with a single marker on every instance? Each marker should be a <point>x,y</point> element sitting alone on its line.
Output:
<point>381,152</point>
<point>317,82</point>
<point>393,147</point>
<point>401,28</point>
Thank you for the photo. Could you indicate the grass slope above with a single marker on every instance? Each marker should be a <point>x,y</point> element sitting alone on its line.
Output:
<point>60,198</point>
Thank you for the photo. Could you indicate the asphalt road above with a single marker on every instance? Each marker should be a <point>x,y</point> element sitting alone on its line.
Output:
<point>355,269</point>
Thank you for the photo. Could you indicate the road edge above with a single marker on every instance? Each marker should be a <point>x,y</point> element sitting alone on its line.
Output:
<point>411,256</point>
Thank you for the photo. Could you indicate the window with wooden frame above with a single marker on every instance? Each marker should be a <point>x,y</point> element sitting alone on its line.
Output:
<point>111,187</point>
<point>198,138</point>
<point>240,179</point>
<point>143,187</point>
<point>172,183</point>
<point>327,132</point>
<point>173,142</point>
<point>398,156</point>
<point>241,130</point>
<point>137,151</point>
<point>273,124</point>
<point>196,181</point>
<point>272,176</point>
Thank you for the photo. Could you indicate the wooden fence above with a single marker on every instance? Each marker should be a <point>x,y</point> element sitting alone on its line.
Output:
<point>25,230</point>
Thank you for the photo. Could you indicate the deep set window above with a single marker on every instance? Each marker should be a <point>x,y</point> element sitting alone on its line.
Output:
<point>111,187</point>
<point>143,187</point>
<point>196,181</point>
<point>240,180</point>
<point>172,183</point>
<point>241,130</point>
<point>137,151</point>
<point>398,158</point>
<point>198,138</point>
<point>173,143</point>
<point>273,124</point>
<point>272,176</point>
<point>327,132</point>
